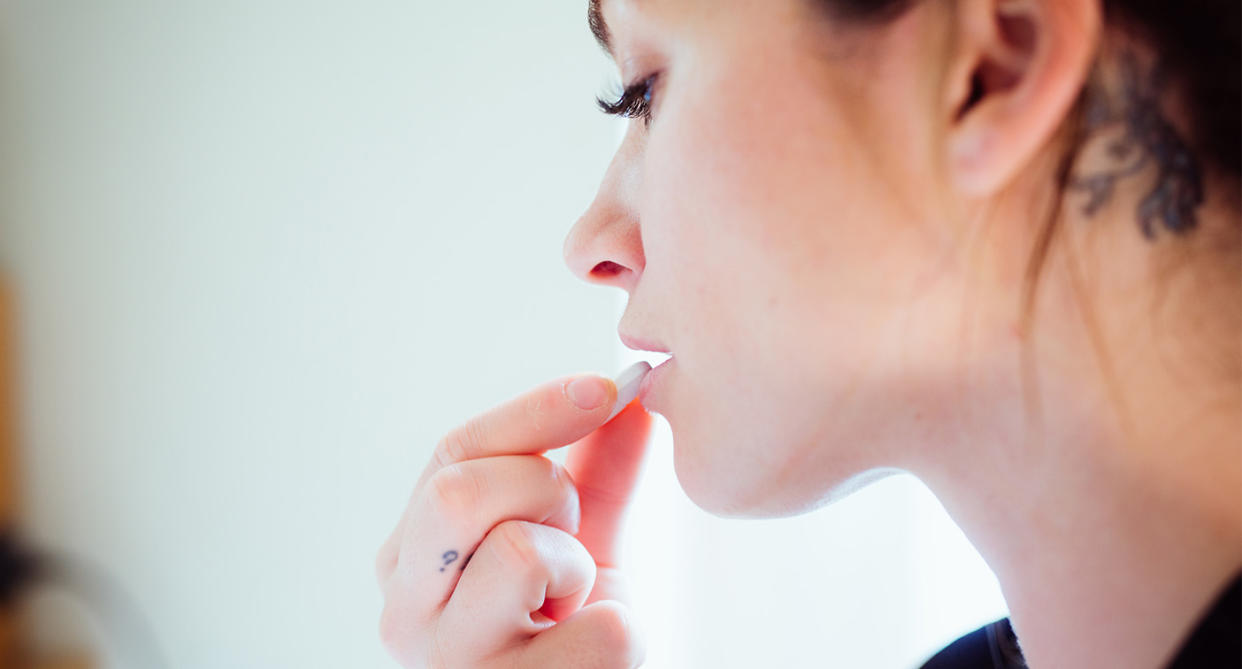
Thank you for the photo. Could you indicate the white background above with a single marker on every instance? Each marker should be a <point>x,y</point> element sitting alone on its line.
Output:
<point>266,252</point>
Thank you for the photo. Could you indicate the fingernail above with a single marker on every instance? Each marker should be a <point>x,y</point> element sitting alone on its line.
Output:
<point>589,392</point>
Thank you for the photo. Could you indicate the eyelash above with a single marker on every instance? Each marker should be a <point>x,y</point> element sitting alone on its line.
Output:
<point>633,102</point>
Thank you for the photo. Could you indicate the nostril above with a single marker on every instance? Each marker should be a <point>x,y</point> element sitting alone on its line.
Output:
<point>606,269</point>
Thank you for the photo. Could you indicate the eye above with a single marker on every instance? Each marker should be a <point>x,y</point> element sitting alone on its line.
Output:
<point>633,102</point>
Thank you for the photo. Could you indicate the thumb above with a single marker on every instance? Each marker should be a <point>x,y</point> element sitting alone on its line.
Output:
<point>602,635</point>
<point>605,466</point>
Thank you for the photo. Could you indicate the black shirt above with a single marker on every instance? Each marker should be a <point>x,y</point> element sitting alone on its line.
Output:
<point>1215,643</point>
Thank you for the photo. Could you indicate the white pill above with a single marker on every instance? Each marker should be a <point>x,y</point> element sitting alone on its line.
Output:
<point>627,385</point>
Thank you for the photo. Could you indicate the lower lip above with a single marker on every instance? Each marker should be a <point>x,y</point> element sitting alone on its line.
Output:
<point>653,377</point>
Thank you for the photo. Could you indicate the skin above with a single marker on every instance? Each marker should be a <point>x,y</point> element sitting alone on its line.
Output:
<point>540,584</point>
<point>831,234</point>
<point>835,259</point>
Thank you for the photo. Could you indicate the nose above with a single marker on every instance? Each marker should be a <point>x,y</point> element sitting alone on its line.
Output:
<point>605,245</point>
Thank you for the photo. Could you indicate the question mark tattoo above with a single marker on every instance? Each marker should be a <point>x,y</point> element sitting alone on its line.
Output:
<point>449,556</point>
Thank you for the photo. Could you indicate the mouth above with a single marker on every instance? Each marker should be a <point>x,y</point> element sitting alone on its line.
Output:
<point>653,377</point>
<point>661,361</point>
<point>640,344</point>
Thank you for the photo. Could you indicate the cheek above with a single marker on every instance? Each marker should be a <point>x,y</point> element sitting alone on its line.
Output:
<point>763,225</point>
<point>782,266</point>
<point>738,242</point>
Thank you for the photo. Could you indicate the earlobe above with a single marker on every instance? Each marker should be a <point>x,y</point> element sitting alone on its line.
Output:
<point>1022,65</point>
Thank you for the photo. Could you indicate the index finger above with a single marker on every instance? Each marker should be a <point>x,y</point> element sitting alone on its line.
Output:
<point>540,419</point>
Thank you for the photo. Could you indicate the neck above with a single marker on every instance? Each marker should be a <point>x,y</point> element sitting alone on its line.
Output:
<point>1112,531</point>
<point>1105,562</point>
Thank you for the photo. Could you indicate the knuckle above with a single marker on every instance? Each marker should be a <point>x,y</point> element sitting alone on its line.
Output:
<point>571,503</point>
<point>515,545</point>
<point>436,658</point>
<point>455,491</point>
<point>614,627</point>
<point>560,477</point>
<point>391,632</point>
<point>535,409</point>
<point>462,443</point>
<point>384,560</point>
<point>406,636</point>
<point>617,635</point>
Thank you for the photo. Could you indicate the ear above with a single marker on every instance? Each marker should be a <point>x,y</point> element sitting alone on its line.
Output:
<point>1018,67</point>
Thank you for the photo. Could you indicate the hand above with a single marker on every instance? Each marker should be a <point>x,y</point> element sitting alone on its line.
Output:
<point>502,557</point>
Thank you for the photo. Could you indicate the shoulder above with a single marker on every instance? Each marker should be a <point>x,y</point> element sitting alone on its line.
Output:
<point>993,646</point>
<point>1215,641</point>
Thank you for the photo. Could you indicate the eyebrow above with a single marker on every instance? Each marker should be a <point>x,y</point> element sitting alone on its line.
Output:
<point>595,18</point>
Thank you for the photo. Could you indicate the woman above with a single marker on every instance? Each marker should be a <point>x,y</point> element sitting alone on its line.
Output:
<point>991,243</point>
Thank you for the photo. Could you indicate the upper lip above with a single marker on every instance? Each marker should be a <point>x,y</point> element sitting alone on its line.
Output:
<point>639,344</point>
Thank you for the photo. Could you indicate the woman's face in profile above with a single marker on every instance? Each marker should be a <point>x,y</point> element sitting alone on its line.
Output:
<point>780,227</point>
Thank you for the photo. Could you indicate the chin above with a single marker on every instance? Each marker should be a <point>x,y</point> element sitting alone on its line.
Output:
<point>735,487</point>
<point>723,486</point>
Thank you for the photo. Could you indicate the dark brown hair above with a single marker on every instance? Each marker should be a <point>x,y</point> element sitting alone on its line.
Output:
<point>1199,41</point>
<point>1199,45</point>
